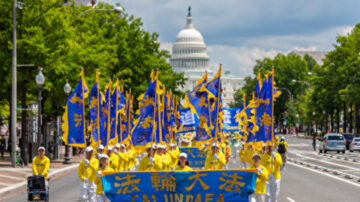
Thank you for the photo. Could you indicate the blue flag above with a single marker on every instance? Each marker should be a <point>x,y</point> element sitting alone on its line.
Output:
<point>105,117</point>
<point>230,122</point>
<point>74,116</point>
<point>143,129</point>
<point>94,108</point>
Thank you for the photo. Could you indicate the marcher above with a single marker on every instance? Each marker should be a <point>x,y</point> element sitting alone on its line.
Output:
<point>183,163</point>
<point>148,163</point>
<point>104,161</point>
<point>123,158</point>
<point>242,155</point>
<point>260,187</point>
<point>100,151</point>
<point>41,163</point>
<point>272,161</point>
<point>87,174</point>
<point>282,149</point>
<point>227,153</point>
<point>215,159</point>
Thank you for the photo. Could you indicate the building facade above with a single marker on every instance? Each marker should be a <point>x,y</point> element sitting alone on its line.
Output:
<point>190,57</point>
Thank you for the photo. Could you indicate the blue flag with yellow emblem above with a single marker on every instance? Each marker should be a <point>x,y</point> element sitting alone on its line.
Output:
<point>74,116</point>
<point>143,130</point>
<point>94,108</point>
<point>105,117</point>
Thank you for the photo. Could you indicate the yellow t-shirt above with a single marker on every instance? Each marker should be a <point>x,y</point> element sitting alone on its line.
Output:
<point>99,187</point>
<point>41,166</point>
<point>146,164</point>
<point>123,159</point>
<point>214,164</point>
<point>260,187</point>
<point>114,161</point>
<point>90,168</point>
<point>159,165</point>
<point>272,165</point>
<point>186,168</point>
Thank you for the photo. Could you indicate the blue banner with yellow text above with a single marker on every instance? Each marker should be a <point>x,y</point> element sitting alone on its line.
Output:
<point>222,185</point>
<point>195,156</point>
<point>230,122</point>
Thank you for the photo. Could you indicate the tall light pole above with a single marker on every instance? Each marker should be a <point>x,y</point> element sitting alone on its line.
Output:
<point>40,80</point>
<point>297,81</point>
<point>13,90</point>
<point>67,90</point>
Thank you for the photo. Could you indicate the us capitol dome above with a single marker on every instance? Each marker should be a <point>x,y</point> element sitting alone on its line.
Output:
<point>190,57</point>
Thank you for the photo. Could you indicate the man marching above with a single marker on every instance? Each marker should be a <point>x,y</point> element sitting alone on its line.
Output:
<point>87,174</point>
<point>272,162</point>
<point>215,159</point>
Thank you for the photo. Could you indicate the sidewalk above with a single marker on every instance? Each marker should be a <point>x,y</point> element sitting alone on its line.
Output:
<point>12,179</point>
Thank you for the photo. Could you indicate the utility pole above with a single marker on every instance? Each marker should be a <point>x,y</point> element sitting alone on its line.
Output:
<point>13,90</point>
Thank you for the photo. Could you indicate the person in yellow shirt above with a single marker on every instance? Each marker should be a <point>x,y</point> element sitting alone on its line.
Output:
<point>260,186</point>
<point>41,164</point>
<point>215,159</point>
<point>147,163</point>
<point>132,161</point>
<point>174,153</point>
<point>158,158</point>
<point>123,158</point>
<point>185,142</point>
<point>100,151</point>
<point>242,155</point>
<point>272,161</point>
<point>104,161</point>
<point>227,152</point>
<point>87,174</point>
<point>114,159</point>
<point>166,158</point>
<point>249,153</point>
<point>183,163</point>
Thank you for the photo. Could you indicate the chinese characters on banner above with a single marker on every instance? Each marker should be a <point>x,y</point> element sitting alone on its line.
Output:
<point>226,185</point>
<point>188,122</point>
<point>195,156</point>
<point>230,124</point>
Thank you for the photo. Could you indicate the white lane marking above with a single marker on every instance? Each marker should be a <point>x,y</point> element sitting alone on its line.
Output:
<point>290,199</point>
<point>326,174</point>
<point>328,162</point>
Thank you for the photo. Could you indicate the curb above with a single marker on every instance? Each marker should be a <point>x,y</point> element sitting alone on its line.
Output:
<point>24,183</point>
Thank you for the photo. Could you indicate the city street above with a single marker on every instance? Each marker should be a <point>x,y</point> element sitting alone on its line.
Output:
<point>300,182</point>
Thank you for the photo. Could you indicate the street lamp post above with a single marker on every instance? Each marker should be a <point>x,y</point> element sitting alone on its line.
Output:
<point>67,90</point>
<point>314,122</point>
<point>297,81</point>
<point>40,80</point>
<point>324,120</point>
<point>350,119</point>
<point>297,124</point>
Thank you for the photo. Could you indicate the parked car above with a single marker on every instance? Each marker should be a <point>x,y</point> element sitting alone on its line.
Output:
<point>332,142</point>
<point>355,144</point>
<point>348,137</point>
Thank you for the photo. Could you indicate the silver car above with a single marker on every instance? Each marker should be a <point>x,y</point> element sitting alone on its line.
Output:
<point>333,142</point>
<point>355,144</point>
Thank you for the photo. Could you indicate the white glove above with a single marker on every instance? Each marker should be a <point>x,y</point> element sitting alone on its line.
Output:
<point>152,159</point>
<point>98,173</point>
<point>86,180</point>
<point>259,170</point>
<point>216,156</point>
<point>87,161</point>
<point>271,177</point>
<point>273,155</point>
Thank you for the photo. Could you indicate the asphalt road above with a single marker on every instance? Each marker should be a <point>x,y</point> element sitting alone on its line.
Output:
<point>300,182</point>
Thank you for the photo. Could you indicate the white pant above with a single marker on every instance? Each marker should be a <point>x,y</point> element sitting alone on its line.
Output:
<point>272,190</point>
<point>257,198</point>
<point>247,164</point>
<point>88,191</point>
<point>100,198</point>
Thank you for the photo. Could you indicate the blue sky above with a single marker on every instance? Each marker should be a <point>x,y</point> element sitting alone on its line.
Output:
<point>237,32</point>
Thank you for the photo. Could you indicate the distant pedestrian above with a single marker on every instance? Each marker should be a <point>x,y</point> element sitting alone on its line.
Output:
<point>282,149</point>
<point>314,142</point>
<point>2,146</point>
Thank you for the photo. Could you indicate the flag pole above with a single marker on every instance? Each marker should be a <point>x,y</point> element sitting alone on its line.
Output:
<point>218,104</point>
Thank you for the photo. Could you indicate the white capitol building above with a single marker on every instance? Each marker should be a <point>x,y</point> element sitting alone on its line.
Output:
<point>189,56</point>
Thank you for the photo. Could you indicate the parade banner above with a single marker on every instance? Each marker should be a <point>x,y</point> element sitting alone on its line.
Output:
<point>230,123</point>
<point>195,156</point>
<point>187,120</point>
<point>222,185</point>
